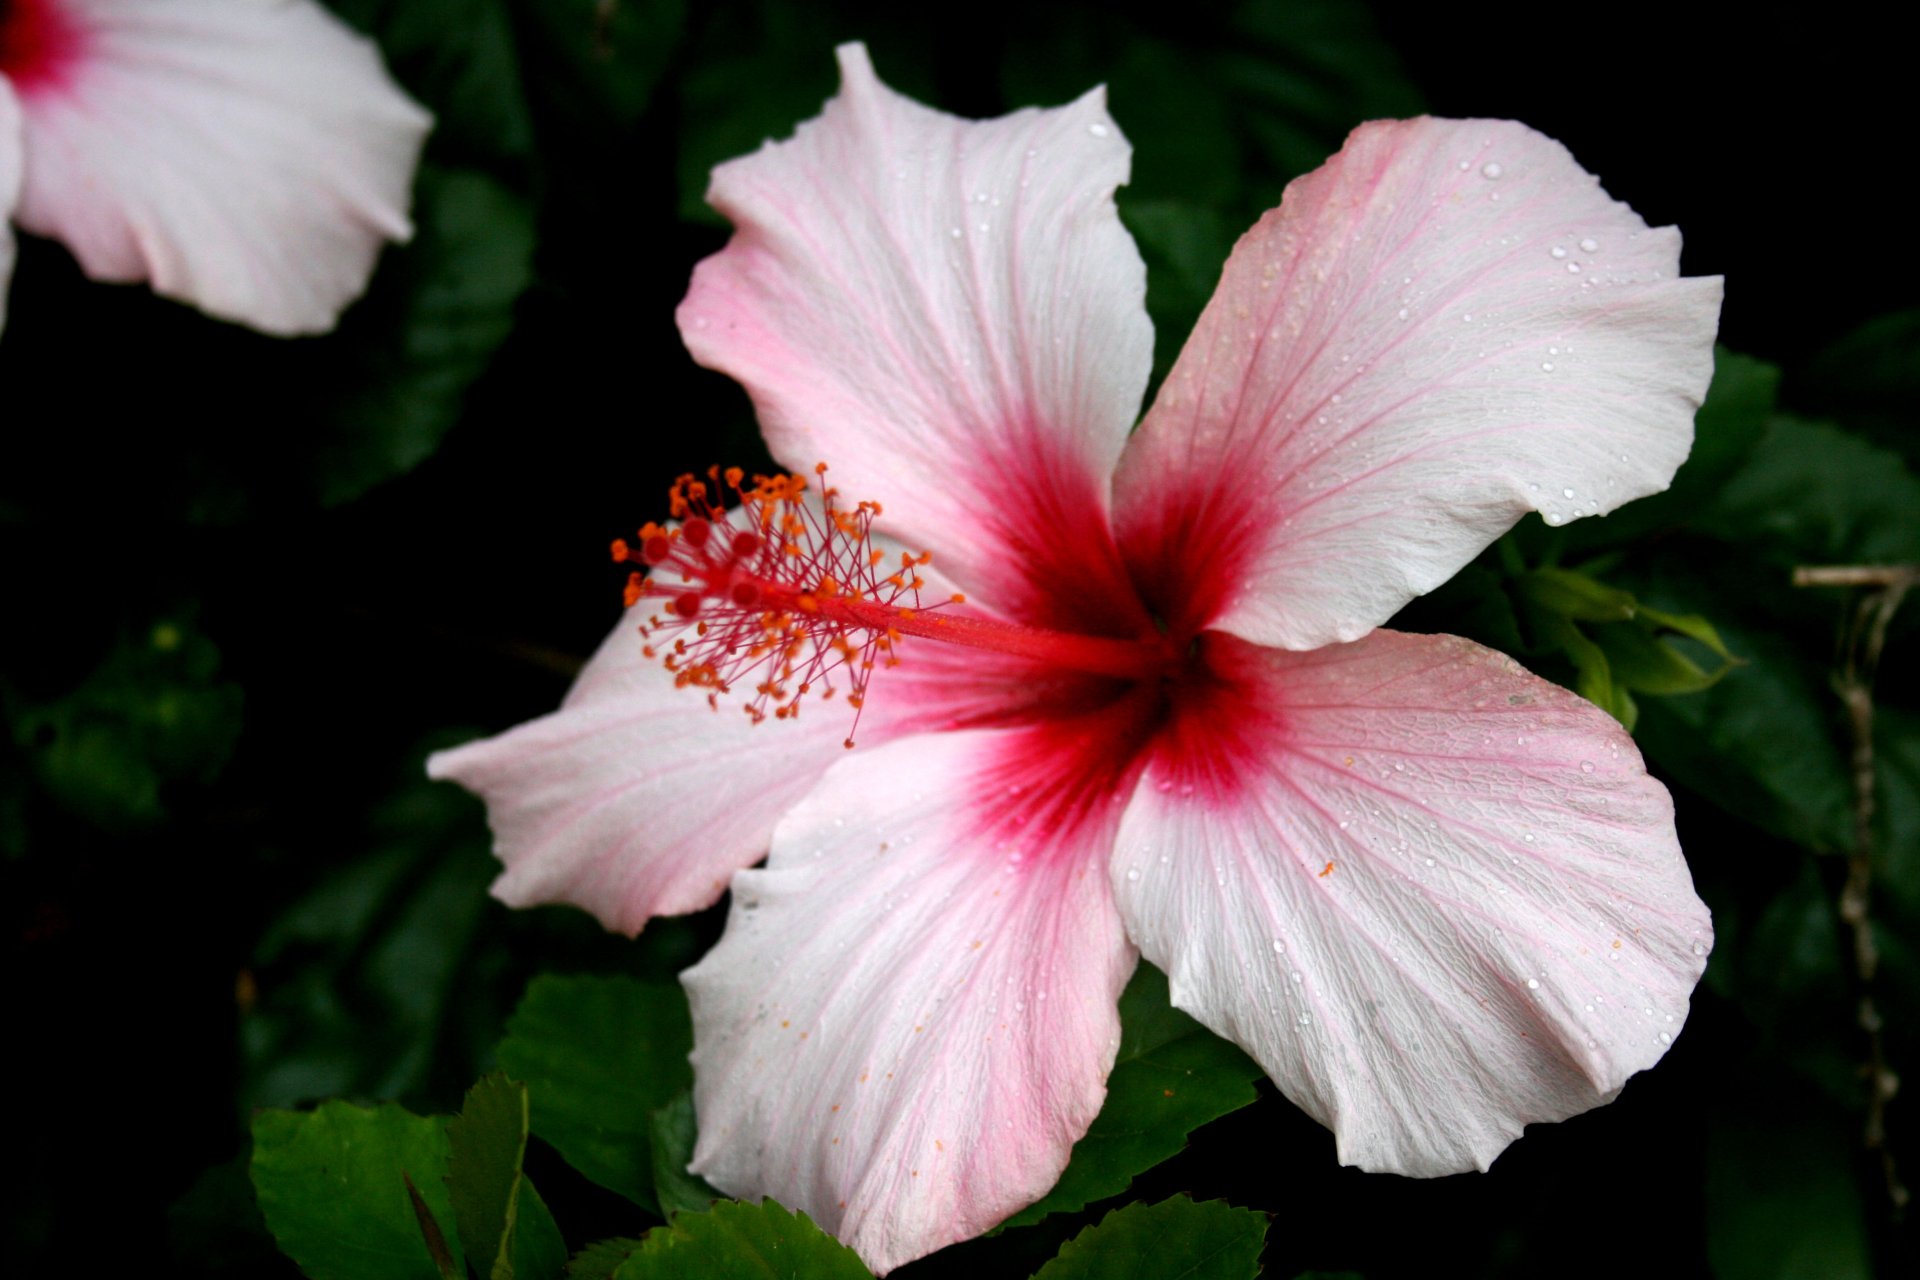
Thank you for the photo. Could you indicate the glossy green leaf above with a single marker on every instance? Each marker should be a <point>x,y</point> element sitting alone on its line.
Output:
<point>602,58</point>
<point>504,1226</point>
<point>1781,1197</point>
<point>738,1239</point>
<point>1185,245</point>
<point>1302,73</point>
<point>1640,660</point>
<point>155,713</point>
<point>331,1186</point>
<point>1177,1239</point>
<point>1576,595</point>
<point>600,1055</point>
<point>1691,625</point>
<point>599,1260</point>
<point>364,978</point>
<point>1813,494</point>
<point>459,58</point>
<point>430,326</point>
<point>756,76</point>
<point>673,1135</point>
<point>1868,379</point>
<point>1170,1077</point>
<point>1593,677</point>
<point>1729,742</point>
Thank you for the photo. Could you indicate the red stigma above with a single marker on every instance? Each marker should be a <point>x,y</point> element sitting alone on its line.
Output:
<point>776,592</point>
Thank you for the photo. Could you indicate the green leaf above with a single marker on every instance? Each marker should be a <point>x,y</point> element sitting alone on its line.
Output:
<point>1185,245</point>
<point>408,352</point>
<point>153,714</point>
<point>1869,379</point>
<point>1813,494</point>
<point>365,978</point>
<point>1641,661</point>
<point>1781,1197</point>
<point>673,1135</point>
<point>755,77</point>
<point>600,58</point>
<point>504,1225</point>
<point>599,1260</point>
<point>1176,1239</point>
<point>1301,73</point>
<point>599,1055</point>
<point>1170,1077</point>
<point>1726,742</point>
<point>739,1239</point>
<point>1575,595</point>
<point>458,57</point>
<point>332,1186</point>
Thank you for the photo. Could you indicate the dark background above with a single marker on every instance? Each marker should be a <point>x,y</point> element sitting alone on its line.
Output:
<point>290,913</point>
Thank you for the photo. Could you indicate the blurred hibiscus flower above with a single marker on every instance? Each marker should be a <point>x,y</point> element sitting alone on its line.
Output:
<point>1435,897</point>
<point>249,157</point>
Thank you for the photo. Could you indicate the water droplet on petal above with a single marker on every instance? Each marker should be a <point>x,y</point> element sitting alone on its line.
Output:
<point>1133,873</point>
<point>1586,766</point>
<point>1098,130</point>
<point>1491,169</point>
<point>1573,268</point>
<point>1558,251</point>
<point>1589,245</point>
<point>1566,493</point>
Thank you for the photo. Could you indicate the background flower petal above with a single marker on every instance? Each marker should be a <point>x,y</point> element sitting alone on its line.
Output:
<point>911,1016</point>
<point>1446,326</point>
<point>951,314</point>
<point>248,158</point>
<point>10,157</point>
<point>1437,898</point>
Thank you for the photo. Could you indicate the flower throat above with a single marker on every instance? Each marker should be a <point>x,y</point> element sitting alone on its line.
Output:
<point>770,582</point>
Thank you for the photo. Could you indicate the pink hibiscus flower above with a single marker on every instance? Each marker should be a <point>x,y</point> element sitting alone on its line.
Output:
<point>1435,897</point>
<point>249,157</point>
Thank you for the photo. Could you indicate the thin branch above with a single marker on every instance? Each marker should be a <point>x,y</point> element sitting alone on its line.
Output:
<point>1865,638</point>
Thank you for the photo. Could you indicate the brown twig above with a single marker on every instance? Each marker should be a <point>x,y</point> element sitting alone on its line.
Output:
<point>1861,646</point>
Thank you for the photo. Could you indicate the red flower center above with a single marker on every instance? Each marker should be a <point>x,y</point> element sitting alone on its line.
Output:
<point>790,594</point>
<point>39,44</point>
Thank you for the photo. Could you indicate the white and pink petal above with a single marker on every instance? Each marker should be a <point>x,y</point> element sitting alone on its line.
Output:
<point>1446,326</point>
<point>641,798</point>
<point>10,157</point>
<point>912,1014</point>
<point>1435,897</point>
<point>951,314</point>
<point>250,157</point>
